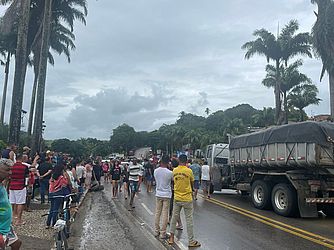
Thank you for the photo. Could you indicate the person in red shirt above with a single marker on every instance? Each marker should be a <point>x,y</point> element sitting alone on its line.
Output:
<point>17,189</point>
<point>31,180</point>
<point>58,182</point>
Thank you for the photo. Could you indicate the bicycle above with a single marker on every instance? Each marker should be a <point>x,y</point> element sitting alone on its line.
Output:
<point>62,225</point>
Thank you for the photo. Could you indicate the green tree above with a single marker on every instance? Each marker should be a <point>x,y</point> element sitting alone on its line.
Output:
<point>61,42</point>
<point>42,68</point>
<point>303,96</point>
<point>264,118</point>
<point>290,77</point>
<point>323,42</point>
<point>234,127</point>
<point>7,47</point>
<point>241,111</point>
<point>20,72</point>
<point>207,111</point>
<point>122,138</point>
<point>69,15</point>
<point>279,49</point>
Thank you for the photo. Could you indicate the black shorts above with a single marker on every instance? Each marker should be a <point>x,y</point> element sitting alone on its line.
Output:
<point>115,178</point>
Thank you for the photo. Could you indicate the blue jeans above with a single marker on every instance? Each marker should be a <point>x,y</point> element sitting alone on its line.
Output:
<point>56,203</point>
<point>44,186</point>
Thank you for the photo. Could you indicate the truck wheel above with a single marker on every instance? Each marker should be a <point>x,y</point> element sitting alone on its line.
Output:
<point>284,200</point>
<point>261,195</point>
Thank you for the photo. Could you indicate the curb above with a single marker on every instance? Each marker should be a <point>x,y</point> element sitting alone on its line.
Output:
<point>81,201</point>
<point>74,215</point>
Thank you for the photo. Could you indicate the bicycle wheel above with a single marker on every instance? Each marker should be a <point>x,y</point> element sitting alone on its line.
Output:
<point>64,240</point>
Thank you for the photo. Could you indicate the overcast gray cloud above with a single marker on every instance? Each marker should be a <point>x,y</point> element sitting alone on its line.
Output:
<point>142,62</point>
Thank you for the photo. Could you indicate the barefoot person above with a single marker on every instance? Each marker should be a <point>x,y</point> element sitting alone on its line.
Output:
<point>183,183</point>
<point>163,177</point>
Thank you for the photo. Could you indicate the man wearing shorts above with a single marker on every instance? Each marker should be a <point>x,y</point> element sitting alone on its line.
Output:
<point>206,179</point>
<point>196,168</point>
<point>134,173</point>
<point>7,234</point>
<point>17,189</point>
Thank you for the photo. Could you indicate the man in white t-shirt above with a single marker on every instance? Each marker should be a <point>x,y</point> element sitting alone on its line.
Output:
<point>80,170</point>
<point>206,179</point>
<point>163,177</point>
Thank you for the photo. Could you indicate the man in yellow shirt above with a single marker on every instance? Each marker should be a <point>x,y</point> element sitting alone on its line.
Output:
<point>183,183</point>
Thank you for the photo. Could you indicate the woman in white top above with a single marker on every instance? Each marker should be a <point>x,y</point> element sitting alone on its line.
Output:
<point>206,179</point>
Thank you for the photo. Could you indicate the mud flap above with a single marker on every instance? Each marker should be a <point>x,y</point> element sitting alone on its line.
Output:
<point>217,178</point>
<point>306,210</point>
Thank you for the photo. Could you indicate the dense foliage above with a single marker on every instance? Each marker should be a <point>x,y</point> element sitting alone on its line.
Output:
<point>188,132</point>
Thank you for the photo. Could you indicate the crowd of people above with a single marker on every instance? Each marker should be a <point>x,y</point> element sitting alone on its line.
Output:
<point>50,174</point>
<point>55,176</point>
<point>176,182</point>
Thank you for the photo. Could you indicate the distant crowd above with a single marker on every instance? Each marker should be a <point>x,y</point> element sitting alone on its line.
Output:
<point>46,177</point>
<point>176,180</point>
<point>54,178</point>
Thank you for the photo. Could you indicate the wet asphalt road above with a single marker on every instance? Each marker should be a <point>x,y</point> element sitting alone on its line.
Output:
<point>217,225</point>
<point>104,224</point>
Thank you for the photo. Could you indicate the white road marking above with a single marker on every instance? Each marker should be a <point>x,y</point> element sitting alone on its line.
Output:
<point>147,209</point>
<point>180,245</point>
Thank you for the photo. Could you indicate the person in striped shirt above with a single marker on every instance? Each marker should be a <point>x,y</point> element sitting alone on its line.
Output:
<point>134,172</point>
<point>17,189</point>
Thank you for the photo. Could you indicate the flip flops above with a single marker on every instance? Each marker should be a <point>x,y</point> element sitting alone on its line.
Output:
<point>194,243</point>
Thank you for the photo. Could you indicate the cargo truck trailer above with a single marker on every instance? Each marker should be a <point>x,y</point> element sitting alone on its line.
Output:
<point>288,168</point>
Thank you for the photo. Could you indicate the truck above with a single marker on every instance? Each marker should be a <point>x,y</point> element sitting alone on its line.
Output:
<point>287,168</point>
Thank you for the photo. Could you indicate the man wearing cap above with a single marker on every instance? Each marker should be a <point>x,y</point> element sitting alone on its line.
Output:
<point>183,184</point>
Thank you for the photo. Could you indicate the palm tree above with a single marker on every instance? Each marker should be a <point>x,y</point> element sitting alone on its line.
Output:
<point>7,49</point>
<point>61,41</point>
<point>290,77</point>
<point>279,49</point>
<point>264,118</point>
<point>58,11</point>
<point>303,96</point>
<point>20,72</point>
<point>207,111</point>
<point>234,127</point>
<point>45,39</point>
<point>323,42</point>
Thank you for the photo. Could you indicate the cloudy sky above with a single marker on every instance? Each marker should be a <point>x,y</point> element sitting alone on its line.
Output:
<point>141,62</point>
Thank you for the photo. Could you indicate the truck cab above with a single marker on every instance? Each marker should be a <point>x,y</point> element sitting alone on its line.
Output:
<point>217,156</point>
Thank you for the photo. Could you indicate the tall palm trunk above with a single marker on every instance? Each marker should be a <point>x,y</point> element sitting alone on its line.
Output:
<point>331,92</point>
<point>33,97</point>
<point>4,94</point>
<point>38,120</point>
<point>301,115</point>
<point>277,94</point>
<point>20,73</point>
<point>286,111</point>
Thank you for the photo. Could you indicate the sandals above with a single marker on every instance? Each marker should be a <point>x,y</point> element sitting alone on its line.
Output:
<point>194,243</point>
<point>170,241</point>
